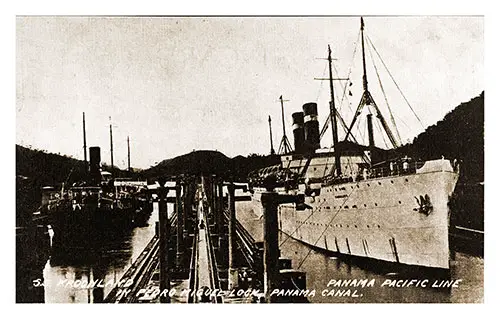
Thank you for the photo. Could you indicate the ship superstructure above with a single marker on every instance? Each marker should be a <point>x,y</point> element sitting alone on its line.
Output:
<point>358,200</point>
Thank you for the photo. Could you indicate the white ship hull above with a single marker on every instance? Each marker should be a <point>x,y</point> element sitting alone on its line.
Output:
<point>378,218</point>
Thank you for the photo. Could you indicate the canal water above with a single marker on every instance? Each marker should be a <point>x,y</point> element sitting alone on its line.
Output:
<point>325,274</point>
<point>67,270</point>
<point>337,280</point>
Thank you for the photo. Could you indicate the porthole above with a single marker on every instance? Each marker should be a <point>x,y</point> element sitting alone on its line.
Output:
<point>399,202</point>
<point>406,179</point>
<point>367,184</point>
<point>367,226</point>
<point>376,204</point>
<point>392,182</point>
<point>364,204</point>
<point>379,183</point>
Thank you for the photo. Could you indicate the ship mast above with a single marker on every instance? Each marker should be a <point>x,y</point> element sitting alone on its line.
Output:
<point>85,144</point>
<point>333,117</point>
<point>111,141</point>
<point>128,152</point>
<point>365,79</point>
<point>334,113</point>
<point>285,146</point>
<point>271,136</point>
<point>367,99</point>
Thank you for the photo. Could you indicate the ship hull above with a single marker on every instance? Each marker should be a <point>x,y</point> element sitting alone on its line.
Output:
<point>381,218</point>
<point>74,222</point>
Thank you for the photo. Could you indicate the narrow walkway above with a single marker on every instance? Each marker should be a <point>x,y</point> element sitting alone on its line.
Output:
<point>203,262</point>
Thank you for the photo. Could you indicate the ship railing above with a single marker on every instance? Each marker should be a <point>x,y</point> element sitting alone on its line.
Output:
<point>385,169</point>
<point>395,169</point>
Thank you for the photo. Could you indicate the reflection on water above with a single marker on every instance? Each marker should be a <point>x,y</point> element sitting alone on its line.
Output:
<point>108,260</point>
<point>72,266</point>
<point>321,269</point>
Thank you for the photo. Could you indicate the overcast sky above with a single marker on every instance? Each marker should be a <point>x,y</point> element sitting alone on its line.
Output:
<point>178,84</point>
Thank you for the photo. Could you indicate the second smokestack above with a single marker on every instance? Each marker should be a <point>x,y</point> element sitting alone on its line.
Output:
<point>311,126</point>
<point>298,132</point>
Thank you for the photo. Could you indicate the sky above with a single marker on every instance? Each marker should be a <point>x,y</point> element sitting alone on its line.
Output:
<point>177,84</point>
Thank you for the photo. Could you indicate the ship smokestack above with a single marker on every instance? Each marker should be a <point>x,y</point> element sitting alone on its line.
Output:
<point>311,126</point>
<point>298,132</point>
<point>95,164</point>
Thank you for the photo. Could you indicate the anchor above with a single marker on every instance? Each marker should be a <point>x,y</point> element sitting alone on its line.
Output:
<point>424,203</point>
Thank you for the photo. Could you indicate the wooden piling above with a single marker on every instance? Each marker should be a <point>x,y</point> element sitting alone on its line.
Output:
<point>180,226</point>
<point>271,248</point>
<point>220,208</point>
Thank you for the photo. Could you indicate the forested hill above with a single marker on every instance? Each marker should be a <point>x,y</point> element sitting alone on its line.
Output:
<point>459,135</point>
<point>210,162</point>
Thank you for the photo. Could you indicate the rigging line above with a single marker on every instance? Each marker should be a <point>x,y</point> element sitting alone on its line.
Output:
<point>340,101</point>
<point>325,126</point>
<point>402,121</point>
<point>381,133</point>
<point>383,92</point>
<point>302,223</point>
<point>326,228</point>
<point>393,80</point>
<point>349,72</point>
<point>321,84</point>
<point>360,131</point>
<point>326,162</point>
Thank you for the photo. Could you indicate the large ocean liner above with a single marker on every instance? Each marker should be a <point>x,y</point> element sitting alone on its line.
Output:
<point>361,200</point>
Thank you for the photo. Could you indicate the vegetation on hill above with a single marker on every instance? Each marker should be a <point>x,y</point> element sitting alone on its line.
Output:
<point>210,162</point>
<point>459,135</point>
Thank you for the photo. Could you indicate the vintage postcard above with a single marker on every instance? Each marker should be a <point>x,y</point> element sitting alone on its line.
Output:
<point>249,159</point>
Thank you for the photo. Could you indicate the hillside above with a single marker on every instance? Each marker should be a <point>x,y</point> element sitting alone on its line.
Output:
<point>210,162</point>
<point>459,135</point>
<point>36,169</point>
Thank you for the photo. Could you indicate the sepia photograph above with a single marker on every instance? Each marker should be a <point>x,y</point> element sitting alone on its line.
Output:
<point>246,159</point>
